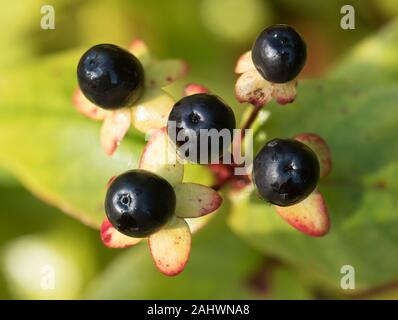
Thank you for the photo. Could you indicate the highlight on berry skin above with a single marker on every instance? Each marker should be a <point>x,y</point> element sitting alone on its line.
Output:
<point>153,202</point>
<point>110,76</point>
<point>271,68</point>
<point>286,173</point>
<point>123,88</point>
<point>130,205</point>
<point>279,53</point>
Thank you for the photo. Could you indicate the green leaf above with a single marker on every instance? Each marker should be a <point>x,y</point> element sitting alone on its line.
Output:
<point>38,234</point>
<point>219,267</point>
<point>372,62</point>
<point>286,285</point>
<point>360,125</point>
<point>50,147</point>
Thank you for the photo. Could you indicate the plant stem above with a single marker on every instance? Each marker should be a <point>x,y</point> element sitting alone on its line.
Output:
<point>236,148</point>
<point>247,125</point>
<point>250,120</point>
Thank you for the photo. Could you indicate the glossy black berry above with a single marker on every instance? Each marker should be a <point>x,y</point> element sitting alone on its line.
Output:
<point>193,117</point>
<point>285,171</point>
<point>110,76</point>
<point>138,203</point>
<point>279,53</point>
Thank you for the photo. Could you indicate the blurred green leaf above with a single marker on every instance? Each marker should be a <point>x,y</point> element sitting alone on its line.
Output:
<point>373,61</point>
<point>90,16</point>
<point>389,8</point>
<point>13,44</point>
<point>252,15</point>
<point>46,266</point>
<point>53,149</point>
<point>50,147</point>
<point>219,267</point>
<point>38,234</point>
<point>287,285</point>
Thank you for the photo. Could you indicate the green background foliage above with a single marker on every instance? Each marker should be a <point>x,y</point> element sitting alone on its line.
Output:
<point>53,171</point>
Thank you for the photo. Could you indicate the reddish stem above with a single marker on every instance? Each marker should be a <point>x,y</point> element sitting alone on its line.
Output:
<point>250,120</point>
<point>236,148</point>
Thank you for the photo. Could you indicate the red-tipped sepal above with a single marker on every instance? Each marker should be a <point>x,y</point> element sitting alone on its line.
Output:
<point>252,88</point>
<point>165,72</point>
<point>152,110</point>
<point>140,50</point>
<point>285,93</point>
<point>321,148</point>
<point>86,107</point>
<point>114,239</point>
<point>310,216</point>
<point>195,200</point>
<point>170,247</point>
<point>160,157</point>
<point>114,128</point>
<point>194,88</point>
<point>244,63</point>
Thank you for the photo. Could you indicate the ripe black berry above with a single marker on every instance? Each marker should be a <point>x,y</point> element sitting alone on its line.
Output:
<point>279,53</point>
<point>203,111</point>
<point>285,171</point>
<point>138,203</point>
<point>110,77</point>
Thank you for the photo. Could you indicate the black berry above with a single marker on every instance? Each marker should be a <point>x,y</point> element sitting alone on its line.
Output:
<point>110,76</point>
<point>138,203</point>
<point>279,53</point>
<point>285,171</point>
<point>202,111</point>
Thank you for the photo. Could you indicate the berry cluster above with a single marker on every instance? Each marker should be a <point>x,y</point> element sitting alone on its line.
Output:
<point>153,202</point>
<point>270,69</point>
<point>124,87</point>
